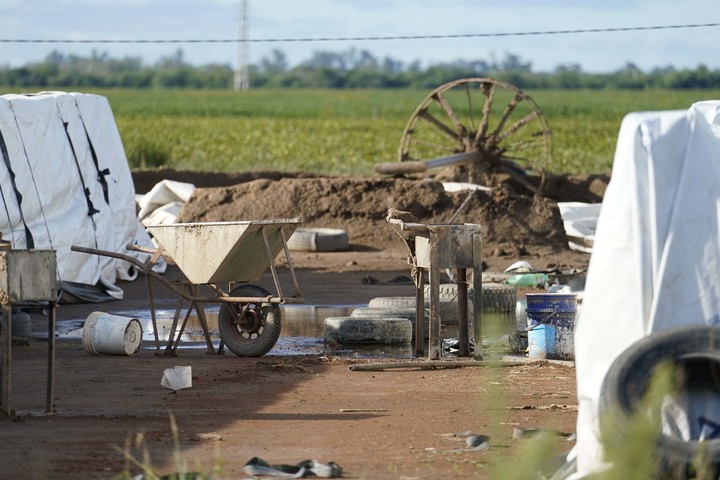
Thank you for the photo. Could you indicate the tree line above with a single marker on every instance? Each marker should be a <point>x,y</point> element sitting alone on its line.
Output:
<point>351,68</point>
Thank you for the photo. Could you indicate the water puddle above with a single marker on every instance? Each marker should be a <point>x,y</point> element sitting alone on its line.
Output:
<point>301,333</point>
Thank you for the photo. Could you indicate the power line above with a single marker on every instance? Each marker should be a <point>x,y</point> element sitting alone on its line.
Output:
<point>363,39</point>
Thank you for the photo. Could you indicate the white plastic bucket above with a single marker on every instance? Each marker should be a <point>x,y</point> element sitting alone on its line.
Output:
<point>104,333</point>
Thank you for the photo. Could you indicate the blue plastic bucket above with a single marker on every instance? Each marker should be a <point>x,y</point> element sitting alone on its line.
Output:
<point>541,342</point>
<point>558,310</point>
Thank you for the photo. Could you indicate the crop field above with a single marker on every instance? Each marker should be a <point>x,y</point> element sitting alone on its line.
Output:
<point>346,132</point>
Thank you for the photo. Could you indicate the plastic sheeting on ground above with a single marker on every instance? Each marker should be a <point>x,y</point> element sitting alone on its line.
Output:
<point>162,204</point>
<point>65,180</point>
<point>656,254</point>
<point>580,222</point>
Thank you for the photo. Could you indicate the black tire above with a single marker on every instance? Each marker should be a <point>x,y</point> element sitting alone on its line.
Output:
<point>692,350</point>
<point>318,240</point>
<point>258,330</point>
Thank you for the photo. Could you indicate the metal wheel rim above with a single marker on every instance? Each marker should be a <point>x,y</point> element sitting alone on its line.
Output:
<point>250,326</point>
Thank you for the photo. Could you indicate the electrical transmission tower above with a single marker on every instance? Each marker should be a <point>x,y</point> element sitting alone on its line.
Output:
<point>242,73</point>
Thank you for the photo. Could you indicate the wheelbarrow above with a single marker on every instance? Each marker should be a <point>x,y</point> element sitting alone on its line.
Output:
<point>221,258</point>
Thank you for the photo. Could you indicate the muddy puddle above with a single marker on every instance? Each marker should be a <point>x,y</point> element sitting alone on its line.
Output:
<point>301,333</point>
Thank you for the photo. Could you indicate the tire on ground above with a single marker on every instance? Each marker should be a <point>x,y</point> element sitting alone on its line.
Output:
<point>367,330</point>
<point>318,240</point>
<point>496,297</point>
<point>392,303</point>
<point>258,330</point>
<point>692,350</point>
<point>408,313</point>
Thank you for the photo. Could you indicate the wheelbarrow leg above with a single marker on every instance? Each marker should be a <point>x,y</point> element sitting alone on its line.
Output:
<point>171,337</point>
<point>203,323</point>
<point>152,314</point>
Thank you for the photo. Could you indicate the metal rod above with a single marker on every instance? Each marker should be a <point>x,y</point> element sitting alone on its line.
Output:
<point>290,265</point>
<point>5,354</point>
<point>50,395</point>
<point>420,312</point>
<point>203,323</point>
<point>278,289</point>
<point>152,314</point>
<point>463,334</point>
<point>434,343</point>
<point>431,365</point>
<point>182,328</point>
<point>477,295</point>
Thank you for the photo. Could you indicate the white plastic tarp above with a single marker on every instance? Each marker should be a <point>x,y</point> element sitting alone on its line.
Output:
<point>656,254</point>
<point>163,203</point>
<point>53,187</point>
<point>580,222</point>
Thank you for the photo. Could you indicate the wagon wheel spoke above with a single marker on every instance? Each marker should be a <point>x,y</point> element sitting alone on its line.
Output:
<point>517,126</point>
<point>506,114</point>
<point>489,98</point>
<point>425,115</point>
<point>460,130</point>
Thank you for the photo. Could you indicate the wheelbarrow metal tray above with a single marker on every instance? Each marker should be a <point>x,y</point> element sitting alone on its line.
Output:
<point>220,252</point>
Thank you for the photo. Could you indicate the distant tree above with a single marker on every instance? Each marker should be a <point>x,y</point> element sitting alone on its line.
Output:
<point>512,63</point>
<point>275,63</point>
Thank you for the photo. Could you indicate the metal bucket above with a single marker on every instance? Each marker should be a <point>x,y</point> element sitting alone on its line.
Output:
<point>104,333</point>
<point>558,310</point>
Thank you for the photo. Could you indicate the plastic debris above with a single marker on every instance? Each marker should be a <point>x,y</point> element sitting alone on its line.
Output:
<point>177,378</point>
<point>519,266</point>
<point>306,469</point>
<point>477,442</point>
<point>535,280</point>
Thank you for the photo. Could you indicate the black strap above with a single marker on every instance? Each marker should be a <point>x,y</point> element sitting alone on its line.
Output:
<point>101,174</point>
<point>18,195</point>
<point>91,208</point>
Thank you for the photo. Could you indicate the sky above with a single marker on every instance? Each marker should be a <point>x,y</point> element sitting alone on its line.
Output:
<point>270,23</point>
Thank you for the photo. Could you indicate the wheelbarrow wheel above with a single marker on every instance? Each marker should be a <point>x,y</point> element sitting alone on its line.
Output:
<point>249,329</point>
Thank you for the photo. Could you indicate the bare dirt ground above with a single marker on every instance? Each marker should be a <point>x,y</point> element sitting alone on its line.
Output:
<point>392,424</point>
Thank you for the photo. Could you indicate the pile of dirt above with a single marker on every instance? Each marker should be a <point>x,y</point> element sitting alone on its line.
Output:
<point>515,223</point>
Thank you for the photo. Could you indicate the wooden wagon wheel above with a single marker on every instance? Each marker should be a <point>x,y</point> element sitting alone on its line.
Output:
<point>484,125</point>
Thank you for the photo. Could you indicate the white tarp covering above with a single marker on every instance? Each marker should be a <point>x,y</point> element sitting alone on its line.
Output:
<point>60,193</point>
<point>580,222</point>
<point>656,255</point>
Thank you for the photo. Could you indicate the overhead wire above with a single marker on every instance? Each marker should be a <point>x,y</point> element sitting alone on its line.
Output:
<point>368,38</point>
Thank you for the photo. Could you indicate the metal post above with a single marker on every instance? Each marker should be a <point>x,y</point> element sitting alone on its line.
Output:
<point>49,400</point>
<point>463,335</point>
<point>477,294</point>
<point>420,313</point>
<point>434,343</point>
<point>5,354</point>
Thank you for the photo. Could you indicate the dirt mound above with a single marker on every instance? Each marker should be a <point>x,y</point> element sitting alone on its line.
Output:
<point>513,225</point>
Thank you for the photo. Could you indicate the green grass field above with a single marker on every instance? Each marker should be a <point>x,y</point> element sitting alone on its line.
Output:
<point>346,132</point>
